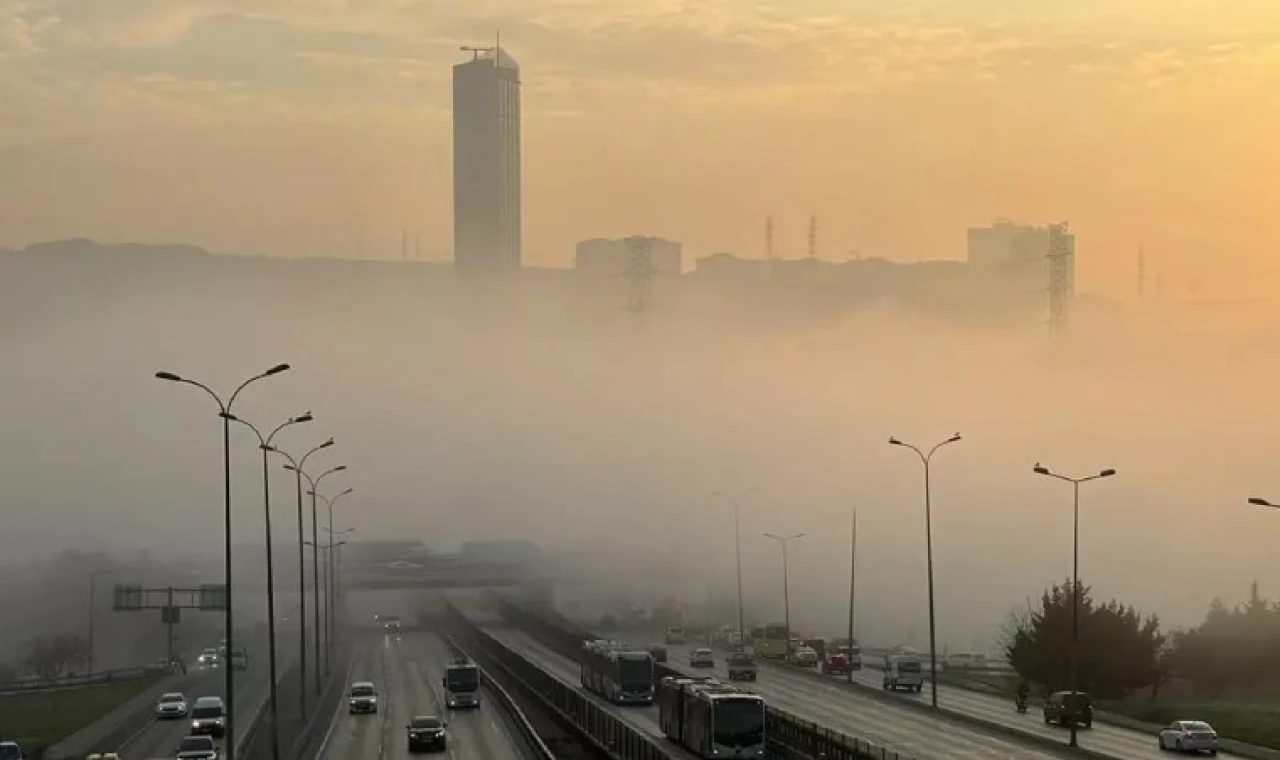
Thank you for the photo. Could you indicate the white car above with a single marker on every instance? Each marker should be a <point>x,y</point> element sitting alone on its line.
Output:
<point>702,658</point>
<point>1189,736</point>
<point>197,748</point>
<point>172,705</point>
<point>363,698</point>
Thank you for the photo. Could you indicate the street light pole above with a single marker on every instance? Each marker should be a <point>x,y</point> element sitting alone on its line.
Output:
<point>315,562</point>
<point>296,466</point>
<point>332,591</point>
<point>329,597</point>
<point>853,578</point>
<point>737,554</point>
<point>264,444</point>
<point>1075,574</point>
<point>786,588</point>
<point>224,411</point>
<point>93,598</point>
<point>926,460</point>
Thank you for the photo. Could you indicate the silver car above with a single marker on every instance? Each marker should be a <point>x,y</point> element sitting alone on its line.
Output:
<point>1189,736</point>
<point>702,658</point>
<point>172,705</point>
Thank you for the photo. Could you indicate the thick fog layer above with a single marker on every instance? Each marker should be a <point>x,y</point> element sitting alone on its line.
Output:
<point>528,409</point>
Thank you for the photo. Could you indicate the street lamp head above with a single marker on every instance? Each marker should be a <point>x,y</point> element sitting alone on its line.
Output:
<point>339,468</point>
<point>168,376</point>
<point>1259,502</point>
<point>953,438</point>
<point>1040,469</point>
<point>304,417</point>
<point>344,493</point>
<point>291,468</point>
<point>326,444</point>
<point>229,416</point>
<point>894,441</point>
<point>1107,473</point>
<point>277,369</point>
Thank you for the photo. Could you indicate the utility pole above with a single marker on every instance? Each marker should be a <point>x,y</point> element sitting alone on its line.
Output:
<point>639,273</point>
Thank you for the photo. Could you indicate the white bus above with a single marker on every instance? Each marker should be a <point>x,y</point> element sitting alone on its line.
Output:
<point>462,684</point>
<point>618,673</point>
<point>712,719</point>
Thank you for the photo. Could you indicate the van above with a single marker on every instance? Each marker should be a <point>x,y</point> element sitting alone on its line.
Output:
<point>903,672</point>
<point>209,717</point>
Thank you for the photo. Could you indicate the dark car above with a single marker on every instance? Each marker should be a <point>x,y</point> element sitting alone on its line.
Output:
<point>427,734</point>
<point>10,751</point>
<point>1066,708</point>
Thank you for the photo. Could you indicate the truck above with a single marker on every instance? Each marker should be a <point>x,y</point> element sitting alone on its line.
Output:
<point>620,673</point>
<point>711,719</point>
<point>903,672</point>
<point>461,684</point>
<point>741,667</point>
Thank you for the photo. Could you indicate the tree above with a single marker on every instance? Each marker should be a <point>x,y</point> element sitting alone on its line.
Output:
<point>1119,649</point>
<point>55,656</point>
<point>1232,649</point>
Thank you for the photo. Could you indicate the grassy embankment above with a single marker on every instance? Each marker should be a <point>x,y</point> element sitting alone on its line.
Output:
<point>40,719</point>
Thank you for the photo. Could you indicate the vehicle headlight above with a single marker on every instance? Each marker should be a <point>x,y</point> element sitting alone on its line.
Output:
<point>195,724</point>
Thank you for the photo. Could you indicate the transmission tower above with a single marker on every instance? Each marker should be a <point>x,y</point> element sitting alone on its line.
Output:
<point>639,273</point>
<point>813,237</point>
<point>1060,284</point>
<point>1142,272</point>
<point>768,238</point>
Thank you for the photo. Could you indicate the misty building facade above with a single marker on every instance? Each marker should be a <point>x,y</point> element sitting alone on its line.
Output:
<point>1018,254</point>
<point>607,257</point>
<point>486,162</point>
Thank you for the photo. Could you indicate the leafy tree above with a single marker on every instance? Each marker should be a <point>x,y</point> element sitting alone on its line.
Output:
<point>1233,649</point>
<point>1119,649</point>
<point>54,656</point>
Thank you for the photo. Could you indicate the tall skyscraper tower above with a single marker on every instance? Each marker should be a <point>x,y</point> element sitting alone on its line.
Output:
<point>486,161</point>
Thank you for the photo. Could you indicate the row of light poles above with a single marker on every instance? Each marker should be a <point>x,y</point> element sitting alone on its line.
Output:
<point>266,444</point>
<point>926,460</point>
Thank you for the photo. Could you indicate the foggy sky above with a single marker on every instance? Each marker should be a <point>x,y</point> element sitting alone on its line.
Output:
<point>310,128</point>
<point>515,411</point>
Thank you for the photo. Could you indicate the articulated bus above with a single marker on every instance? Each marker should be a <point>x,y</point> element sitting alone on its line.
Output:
<point>621,674</point>
<point>712,719</point>
<point>770,640</point>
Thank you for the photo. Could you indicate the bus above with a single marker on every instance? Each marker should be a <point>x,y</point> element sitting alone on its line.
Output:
<point>711,719</point>
<point>770,640</point>
<point>462,684</point>
<point>621,674</point>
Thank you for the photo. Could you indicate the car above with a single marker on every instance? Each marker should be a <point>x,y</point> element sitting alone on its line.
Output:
<point>209,717</point>
<point>172,705</point>
<point>741,667</point>
<point>197,748</point>
<point>1066,708</point>
<point>10,751</point>
<point>362,699</point>
<point>1190,736</point>
<point>102,756</point>
<point>836,664</point>
<point>427,733</point>
<point>208,659</point>
<point>702,658</point>
<point>805,657</point>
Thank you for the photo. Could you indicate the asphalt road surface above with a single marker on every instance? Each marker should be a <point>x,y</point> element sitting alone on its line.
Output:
<point>408,670</point>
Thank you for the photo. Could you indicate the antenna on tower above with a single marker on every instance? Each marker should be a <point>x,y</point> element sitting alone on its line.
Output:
<point>1060,280</point>
<point>768,238</point>
<point>813,236</point>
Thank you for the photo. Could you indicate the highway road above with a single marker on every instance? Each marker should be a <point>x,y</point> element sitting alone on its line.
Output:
<point>160,738</point>
<point>1119,743</point>
<point>640,718</point>
<point>408,670</point>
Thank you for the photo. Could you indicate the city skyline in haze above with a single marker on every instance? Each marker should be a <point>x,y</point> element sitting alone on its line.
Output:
<point>297,129</point>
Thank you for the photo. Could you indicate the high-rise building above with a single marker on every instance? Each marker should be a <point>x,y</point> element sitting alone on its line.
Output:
<point>486,162</point>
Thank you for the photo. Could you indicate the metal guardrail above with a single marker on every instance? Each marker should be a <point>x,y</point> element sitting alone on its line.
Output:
<point>88,679</point>
<point>790,737</point>
<point>535,742</point>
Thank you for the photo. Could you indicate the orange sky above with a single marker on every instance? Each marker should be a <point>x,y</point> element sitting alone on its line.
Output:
<point>322,126</point>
